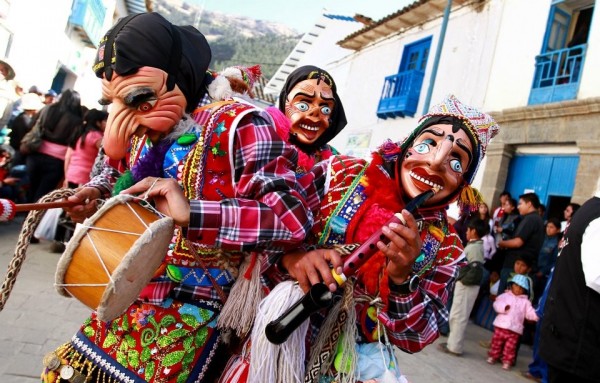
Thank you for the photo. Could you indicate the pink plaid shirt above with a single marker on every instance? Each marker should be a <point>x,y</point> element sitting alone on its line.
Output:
<point>269,212</point>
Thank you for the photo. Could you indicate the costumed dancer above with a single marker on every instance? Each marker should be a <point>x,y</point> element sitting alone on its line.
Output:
<point>399,296</point>
<point>310,114</point>
<point>314,115</point>
<point>224,176</point>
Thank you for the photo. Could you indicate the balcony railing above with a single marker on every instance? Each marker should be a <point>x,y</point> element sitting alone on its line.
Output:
<point>87,18</point>
<point>557,75</point>
<point>400,94</point>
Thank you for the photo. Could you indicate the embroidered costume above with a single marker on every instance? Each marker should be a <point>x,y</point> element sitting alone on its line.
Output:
<point>359,199</point>
<point>237,175</point>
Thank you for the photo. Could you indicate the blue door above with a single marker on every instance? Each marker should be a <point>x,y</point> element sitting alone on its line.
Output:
<point>546,175</point>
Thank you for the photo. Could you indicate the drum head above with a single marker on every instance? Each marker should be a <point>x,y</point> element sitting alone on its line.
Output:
<point>136,270</point>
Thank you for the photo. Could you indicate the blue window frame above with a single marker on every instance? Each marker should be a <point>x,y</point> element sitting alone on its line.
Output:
<point>559,65</point>
<point>401,91</point>
<point>87,18</point>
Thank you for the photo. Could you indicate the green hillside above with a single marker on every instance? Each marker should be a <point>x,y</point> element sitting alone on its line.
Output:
<point>236,40</point>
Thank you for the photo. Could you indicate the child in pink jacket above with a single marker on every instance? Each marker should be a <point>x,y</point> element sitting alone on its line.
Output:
<point>512,307</point>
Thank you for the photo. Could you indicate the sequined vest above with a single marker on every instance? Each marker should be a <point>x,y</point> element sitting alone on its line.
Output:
<point>201,162</point>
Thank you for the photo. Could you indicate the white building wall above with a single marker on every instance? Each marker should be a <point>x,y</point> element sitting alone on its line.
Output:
<point>519,40</point>
<point>487,61</point>
<point>40,46</point>
<point>318,47</point>
<point>39,40</point>
<point>464,70</point>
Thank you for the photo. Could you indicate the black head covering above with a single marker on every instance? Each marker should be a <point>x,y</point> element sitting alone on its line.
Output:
<point>338,117</point>
<point>148,39</point>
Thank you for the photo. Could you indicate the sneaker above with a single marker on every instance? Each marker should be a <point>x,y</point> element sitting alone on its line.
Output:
<point>491,360</point>
<point>34,240</point>
<point>506,366</point>
<point>443,347</point>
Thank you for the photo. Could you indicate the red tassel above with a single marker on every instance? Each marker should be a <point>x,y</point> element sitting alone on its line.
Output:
<point>248,273</point>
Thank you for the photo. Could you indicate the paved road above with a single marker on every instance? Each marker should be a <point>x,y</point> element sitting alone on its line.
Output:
<point>36,320</point>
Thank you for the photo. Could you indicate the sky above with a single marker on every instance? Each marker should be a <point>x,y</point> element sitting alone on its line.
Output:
<point>301,15</point>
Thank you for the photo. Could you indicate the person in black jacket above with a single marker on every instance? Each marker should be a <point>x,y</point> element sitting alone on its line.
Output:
<point>60,123</point>
<point>570,337</point>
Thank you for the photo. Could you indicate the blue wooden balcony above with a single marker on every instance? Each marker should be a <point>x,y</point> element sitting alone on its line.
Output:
<point>557,75</point>
<point>87,18</point>
<point>400,95</point>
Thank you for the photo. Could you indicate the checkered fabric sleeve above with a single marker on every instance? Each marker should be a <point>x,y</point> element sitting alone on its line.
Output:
<point>413,320</point>
<point>268,212</point>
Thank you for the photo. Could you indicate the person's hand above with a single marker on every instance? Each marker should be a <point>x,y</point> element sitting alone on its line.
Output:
<point>309,268</point>
<point>404,247</point>
<point>167,196</point>
<point>507,308</point>
<point>11,180</point>
<point>85,203</point>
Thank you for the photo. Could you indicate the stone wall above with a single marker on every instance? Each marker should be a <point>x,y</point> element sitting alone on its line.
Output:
<point>575,122</point>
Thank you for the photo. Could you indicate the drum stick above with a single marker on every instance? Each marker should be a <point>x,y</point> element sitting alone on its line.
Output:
<point>44,205</point>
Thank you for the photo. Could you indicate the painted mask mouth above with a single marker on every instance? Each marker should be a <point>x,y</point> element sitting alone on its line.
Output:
<point>425,181</point>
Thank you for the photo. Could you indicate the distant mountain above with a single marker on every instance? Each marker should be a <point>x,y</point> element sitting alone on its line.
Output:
<point>235,40</point>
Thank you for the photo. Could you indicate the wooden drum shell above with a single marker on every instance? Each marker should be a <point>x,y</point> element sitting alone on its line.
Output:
<point>123,240</point>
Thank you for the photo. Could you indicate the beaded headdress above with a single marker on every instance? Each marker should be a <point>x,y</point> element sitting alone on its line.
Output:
<point>480,128</point>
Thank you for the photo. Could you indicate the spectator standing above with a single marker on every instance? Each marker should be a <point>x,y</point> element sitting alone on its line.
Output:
<point>60,123</point>
<point>80,158</point>
<point>466,287</point>
<point>8,96</point>
<point>489,243</point>
<point>21,124</point>
<point>538,369</point>
<point>79,161</point>
<point>528,238</point>
<point>568,214</point>
<point>570,338</point>
<point>547,257</point>
<point>505,228</point>
<point>512,308</point>
<point>7,182</point>
<point>499,211</point>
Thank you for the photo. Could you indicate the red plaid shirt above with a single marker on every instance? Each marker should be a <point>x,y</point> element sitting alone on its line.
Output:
<point>268,213</point>
<point>412,320</point>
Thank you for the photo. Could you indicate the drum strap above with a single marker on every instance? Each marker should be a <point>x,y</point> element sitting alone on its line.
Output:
<point>218,288</point>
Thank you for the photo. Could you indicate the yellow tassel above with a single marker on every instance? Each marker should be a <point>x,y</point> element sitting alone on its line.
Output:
<point>470,198</point>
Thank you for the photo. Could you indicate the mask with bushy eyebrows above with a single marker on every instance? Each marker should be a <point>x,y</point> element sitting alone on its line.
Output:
<point>152,73</point>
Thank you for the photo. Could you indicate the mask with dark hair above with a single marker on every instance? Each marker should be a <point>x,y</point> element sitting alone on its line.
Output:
<point>337,120</point>
<point>148,39</point>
